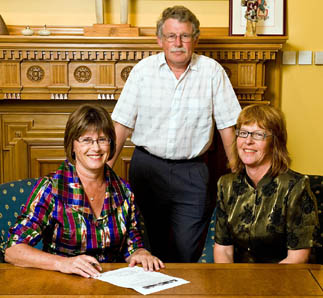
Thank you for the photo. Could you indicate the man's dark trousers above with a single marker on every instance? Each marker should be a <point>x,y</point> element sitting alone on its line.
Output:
<point>173,199</point>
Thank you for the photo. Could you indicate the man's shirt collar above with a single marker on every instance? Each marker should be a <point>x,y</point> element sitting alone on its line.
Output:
<point>193,63</point>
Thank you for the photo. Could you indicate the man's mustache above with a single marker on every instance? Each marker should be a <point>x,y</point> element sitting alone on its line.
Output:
<point>182,49</point>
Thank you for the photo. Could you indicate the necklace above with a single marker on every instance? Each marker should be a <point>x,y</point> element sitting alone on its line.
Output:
<point>100,189</point>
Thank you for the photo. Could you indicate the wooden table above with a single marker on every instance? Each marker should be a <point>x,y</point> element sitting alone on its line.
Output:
<point>206,280</point>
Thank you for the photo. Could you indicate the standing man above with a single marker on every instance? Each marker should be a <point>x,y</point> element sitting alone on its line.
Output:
<point>170,104</point>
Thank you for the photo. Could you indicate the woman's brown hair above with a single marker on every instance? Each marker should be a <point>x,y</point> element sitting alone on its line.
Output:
<point>88,117</point>
<point>273,121</point>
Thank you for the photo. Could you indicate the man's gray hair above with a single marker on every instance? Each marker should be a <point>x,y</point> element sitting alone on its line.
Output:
<point>181,14</point>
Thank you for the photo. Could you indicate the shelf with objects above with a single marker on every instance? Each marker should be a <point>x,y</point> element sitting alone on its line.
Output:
<point>70,66</point>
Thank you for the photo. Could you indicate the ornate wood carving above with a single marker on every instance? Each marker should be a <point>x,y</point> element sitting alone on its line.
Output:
<point>125,72</point>
<point>62,68</point>
<point>35,73</point>
<point>82,74</point>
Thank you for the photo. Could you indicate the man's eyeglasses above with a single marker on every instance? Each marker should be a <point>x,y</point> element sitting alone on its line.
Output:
<point>102,141</point>
<point>256,135</point>
<point>185,37</point>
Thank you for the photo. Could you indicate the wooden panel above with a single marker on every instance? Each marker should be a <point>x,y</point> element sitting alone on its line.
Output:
<point>105,74</point>
<point>247,75</point>
<point>12,77</point>
<point>122,164</point>
<point>10,84</point>
<point>35,74</point>
<point>18,165</point>
<point>82,74</point>
<point>58,73</point>
<point>44,160</point>
<point>21,132</point>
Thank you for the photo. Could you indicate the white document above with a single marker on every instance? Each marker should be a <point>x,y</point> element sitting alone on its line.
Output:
<point>144,282</point>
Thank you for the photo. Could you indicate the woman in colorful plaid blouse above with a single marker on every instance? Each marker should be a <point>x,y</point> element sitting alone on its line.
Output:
<point>84,213</point>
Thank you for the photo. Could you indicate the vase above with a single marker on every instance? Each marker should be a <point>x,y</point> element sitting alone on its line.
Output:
<point>27,31</point>
<point>99,11</point>
<point>44,31</point>
<point>123,11</point>
<point>3,27</point>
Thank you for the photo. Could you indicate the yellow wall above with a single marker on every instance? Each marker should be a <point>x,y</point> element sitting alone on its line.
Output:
<point>82,12</point>
<point>302,85</point>
<point>49,12</point>
<point>302,88</point>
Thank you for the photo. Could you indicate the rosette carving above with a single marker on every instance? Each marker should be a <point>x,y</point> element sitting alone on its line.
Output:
<point>82,74</point>
<point>125,72</point>
<point>35,73</point>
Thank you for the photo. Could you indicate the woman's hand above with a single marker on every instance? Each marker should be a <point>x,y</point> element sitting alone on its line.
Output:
<point>146,259</point>
<point>83,265</point>
<point>26,256</point>
<point>223,253</point>
<point>297,256</point>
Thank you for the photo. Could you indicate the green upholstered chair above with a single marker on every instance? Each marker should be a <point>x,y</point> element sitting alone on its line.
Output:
<point>13,195</point>
<point>207,253</point>
<point>316,183</point>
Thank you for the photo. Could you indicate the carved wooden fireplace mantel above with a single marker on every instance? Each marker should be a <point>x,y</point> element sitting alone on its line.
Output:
<point>92,68</point>
<point>43,78</point>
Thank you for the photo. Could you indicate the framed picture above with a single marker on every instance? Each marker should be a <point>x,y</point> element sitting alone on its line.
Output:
<point>268,14</point>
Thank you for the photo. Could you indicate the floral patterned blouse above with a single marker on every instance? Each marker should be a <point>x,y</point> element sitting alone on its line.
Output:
<point>262,223</point>
<point>59,213</point>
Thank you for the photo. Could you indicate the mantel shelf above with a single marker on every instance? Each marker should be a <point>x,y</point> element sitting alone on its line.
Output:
<point>204,39</point>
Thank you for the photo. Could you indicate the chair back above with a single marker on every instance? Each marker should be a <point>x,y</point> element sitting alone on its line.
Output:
<point>13,196</point>
<point>207,253</point>
<point>316,183</point>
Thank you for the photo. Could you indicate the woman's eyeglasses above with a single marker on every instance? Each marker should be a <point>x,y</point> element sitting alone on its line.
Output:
<point>256,135</point>
<point>102,141</point>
